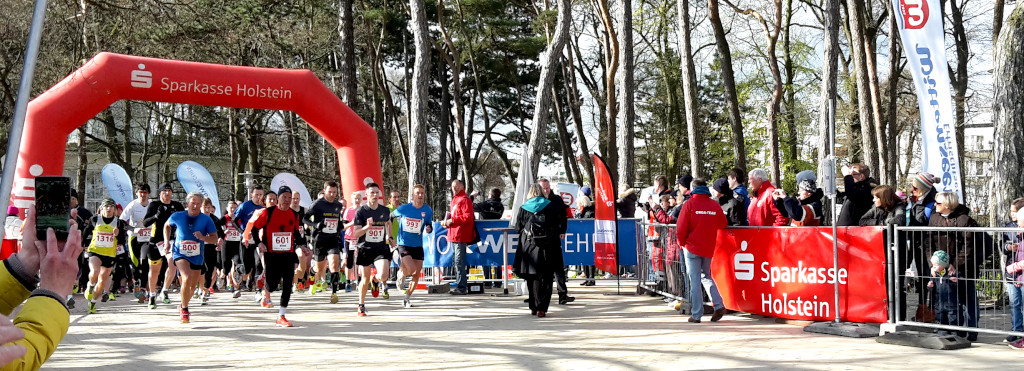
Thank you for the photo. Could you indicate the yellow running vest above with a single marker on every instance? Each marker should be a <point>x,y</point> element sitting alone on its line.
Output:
<point>104,241</point>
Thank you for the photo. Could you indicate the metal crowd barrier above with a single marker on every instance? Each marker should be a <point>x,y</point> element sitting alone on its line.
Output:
<point>969,299</point>
<point>661,269</point>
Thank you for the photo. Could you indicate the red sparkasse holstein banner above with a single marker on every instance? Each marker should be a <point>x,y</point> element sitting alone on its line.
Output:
<point>788,272</point>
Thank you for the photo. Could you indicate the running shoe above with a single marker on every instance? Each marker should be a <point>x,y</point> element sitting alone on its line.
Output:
<point>406,303</point>
<point>361,311</point>
<point>206,299</point>
<point>267,304</point>
<point>92,308</point>
<point>386,295</point>
<point>261,281</point>
<point>106,296</point>
<point>71,302</point>
<point>74,289</point>
<point>374,288</point>
<point>334,298</point>
<point>184,315</point>
<point>89,293</point>
<point>195,294</point>
<point>300,286</point>
<point>238,294</point>
<point>231,288</point>
<point>348,287</point>
<point>313,288</point>
<point>212,290</point>
<point>1018,345</point>
<point>167,298</point>
<point>111,297</point>
<point>283,322</point>
<point>152,302</point>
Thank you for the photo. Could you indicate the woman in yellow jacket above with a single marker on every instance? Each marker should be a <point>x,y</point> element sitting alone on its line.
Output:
<point>43,320</point>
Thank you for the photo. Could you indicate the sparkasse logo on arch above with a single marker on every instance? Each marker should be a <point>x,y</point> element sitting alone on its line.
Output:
<point>915,13</point>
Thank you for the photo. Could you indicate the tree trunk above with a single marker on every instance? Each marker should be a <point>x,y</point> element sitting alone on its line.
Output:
<point>960,78</point>
<point>420,99</point>
<point>548,62</point>
<point>626,92</point>
<point>829,76</point>
<point>855,17</point>
<point>892,91</point>
<point>573,97</point>
<point>83,166</point>
<point>791,149</point>
<point>611,48</point>
<point>729,82</point>
<point>445,115</point>
<point>348,53</point>
<point>1008,117</point>
<point>689,80</point>
<point>454,59</point>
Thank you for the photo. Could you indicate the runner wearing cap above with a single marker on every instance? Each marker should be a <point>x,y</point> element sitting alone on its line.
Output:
<point>269,200</point>
<point>156,216</point>
<point>241,217</point>
<point>373,230</point>
<point>324,218</point>
<point>134,215</point>
<point>104,236</point>
<point>350,239</point>
<point>414,219</point>
<point>230,246</point>
<point>191,229</point>
<point>276,232</point>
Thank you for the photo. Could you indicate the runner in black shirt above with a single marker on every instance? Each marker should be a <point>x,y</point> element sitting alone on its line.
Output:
<point>324,217</point>
<point>373,228</point>
<point>156,215</point>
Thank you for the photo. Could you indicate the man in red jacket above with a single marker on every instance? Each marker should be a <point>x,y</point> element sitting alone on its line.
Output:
<point>762,211</point>
<point>700,219</point>
<point>461,231</point>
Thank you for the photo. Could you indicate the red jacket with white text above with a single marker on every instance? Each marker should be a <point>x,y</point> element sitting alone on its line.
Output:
<point>700,219</point>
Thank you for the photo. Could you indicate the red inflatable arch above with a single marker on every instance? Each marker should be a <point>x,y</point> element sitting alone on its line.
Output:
<point>110,77</point>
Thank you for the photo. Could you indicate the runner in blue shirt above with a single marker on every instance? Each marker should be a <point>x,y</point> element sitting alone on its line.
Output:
<point>414,219</point>
<point>191,229</point>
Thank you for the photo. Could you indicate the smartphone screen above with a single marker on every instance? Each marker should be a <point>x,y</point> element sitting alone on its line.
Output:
<point>53,206</point>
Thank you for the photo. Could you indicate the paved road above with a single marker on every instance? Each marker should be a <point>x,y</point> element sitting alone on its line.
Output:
<point>597,332</point>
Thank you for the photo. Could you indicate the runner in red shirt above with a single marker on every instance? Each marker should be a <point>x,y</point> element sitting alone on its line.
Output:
<point>276,234</point>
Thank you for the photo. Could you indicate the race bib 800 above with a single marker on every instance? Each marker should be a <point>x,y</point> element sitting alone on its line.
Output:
<point>190,248</point>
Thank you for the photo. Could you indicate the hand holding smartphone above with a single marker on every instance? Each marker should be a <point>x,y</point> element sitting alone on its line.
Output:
<point>53,206</point>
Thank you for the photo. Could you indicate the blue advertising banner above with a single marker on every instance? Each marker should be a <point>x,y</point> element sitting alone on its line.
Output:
<point>577,248</point>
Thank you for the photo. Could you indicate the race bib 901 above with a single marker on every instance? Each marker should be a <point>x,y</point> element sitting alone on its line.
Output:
<point>375,234</point>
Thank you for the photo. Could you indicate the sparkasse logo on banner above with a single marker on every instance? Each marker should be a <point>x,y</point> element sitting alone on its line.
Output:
<point>915,13</point>
<point>142,78</point>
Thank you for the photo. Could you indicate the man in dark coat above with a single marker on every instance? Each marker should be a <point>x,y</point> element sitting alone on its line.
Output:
<point>856,195</point>
<point>491,208</point>
<point>559,222</point>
